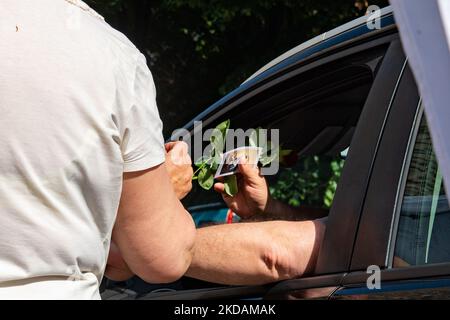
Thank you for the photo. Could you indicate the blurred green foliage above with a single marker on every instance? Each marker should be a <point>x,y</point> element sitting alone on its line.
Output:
<point>199,50</point>
<point>312,182</point>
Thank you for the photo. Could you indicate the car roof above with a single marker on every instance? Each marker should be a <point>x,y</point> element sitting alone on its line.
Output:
<point>320,38</point>
<point>319,43</point>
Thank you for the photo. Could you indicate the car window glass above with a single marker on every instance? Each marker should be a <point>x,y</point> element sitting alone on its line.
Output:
<point>423,234</point>
<point>316,114</point>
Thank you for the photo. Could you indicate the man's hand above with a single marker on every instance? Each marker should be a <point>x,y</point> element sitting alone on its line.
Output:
<point>254,202</point>
<point>179,166</point>
<point>253,197</point>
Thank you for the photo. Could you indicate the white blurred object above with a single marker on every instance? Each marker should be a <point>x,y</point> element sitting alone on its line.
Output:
<point>425,32</point>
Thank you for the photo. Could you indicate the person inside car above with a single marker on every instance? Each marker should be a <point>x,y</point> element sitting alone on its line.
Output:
<point>249,253</point>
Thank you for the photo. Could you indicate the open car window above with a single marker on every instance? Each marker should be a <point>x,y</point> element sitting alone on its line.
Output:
<point>316,113</point>
<point>316,116</point>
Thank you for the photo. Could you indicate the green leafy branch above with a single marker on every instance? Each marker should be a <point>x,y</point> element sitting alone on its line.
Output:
<point>208,165</point>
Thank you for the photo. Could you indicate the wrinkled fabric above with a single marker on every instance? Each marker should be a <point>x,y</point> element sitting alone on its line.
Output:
<point>78,108</point>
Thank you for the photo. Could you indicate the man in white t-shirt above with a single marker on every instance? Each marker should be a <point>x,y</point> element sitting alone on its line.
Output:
<point>81,152</point>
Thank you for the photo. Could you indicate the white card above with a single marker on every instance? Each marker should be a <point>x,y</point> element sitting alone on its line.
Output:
<point>231,159</point>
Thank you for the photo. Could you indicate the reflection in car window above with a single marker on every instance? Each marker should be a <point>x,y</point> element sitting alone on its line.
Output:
<point>424,226</point>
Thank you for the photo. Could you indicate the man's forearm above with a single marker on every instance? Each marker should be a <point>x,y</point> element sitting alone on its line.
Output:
<point>256,253</point>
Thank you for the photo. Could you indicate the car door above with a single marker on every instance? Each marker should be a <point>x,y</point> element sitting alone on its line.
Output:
<point>406,218</point>
<point>385,59</point>
<point>361,76</point>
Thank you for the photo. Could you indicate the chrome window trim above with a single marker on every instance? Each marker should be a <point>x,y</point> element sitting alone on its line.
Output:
<point>402,184</point>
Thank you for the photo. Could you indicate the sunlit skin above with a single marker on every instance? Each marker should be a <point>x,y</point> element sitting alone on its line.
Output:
<point>153,236</point>
<point>248,253</point>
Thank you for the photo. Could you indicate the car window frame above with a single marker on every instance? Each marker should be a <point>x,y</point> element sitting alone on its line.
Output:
<point>373,234</point>
<point>412,282</point>
<point>401,187</point>
<point>349,202</point>
<point>338,269</point>
<point>400,195</point>
<point>387,234</point>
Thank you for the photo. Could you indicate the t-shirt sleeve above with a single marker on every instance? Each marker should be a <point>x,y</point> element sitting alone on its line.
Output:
<point>143,142</point>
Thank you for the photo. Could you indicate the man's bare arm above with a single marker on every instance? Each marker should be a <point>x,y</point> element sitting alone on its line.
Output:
<point>256,253</point>
<point>180,173</point>
<point>116,268</point>
<point>153,232</point>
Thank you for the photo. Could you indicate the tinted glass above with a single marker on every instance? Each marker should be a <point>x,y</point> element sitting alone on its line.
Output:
<point>424,226</point>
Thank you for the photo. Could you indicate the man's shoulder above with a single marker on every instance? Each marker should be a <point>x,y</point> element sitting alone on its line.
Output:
<point>107,30</point>
<point>85,7</point>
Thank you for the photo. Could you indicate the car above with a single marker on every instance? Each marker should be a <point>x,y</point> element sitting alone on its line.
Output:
<point>347,103</point>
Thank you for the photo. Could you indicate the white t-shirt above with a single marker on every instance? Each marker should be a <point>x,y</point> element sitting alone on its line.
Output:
<point>77,109</point>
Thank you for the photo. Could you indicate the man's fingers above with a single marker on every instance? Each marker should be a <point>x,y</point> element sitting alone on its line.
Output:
<point>169,146</point>
<point>248,171</point>
<point>176,145</point>
<point>178,152</point>
<point>219,187</point>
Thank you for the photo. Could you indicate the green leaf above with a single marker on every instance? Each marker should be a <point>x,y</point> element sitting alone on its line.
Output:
<point>217,141</point>
<point>216,160</point>
<point>231,187</point>
<point>266,159</point>
<point>223,127</point>
<point>220,132</point>
<point>201,161</point>
<point>206,178</point>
